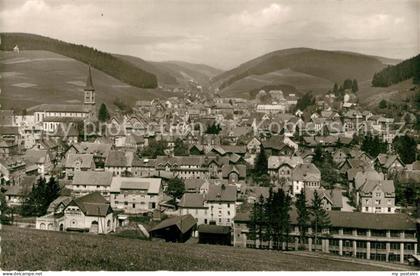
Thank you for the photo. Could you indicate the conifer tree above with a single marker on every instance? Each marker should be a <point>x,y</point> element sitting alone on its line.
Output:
<point>303,216</point>
<point>320,219</point>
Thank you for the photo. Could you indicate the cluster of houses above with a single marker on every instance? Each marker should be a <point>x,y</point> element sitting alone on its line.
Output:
<point>105,178</point>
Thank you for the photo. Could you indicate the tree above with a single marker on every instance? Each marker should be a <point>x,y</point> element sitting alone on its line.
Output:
<point>406,148</point>
<point>303,216</point>
<point>347,84</point>
<point>317,154</point>
<point>320,216</point>
<point>305,101</point>
<point>261,163</point>
<point>4,210</point>
<point>103,114</point>
<point>176,188</point>
<point>213,128</point>
<point>154,149</point>
<point>41,196</point>
<point>354,86</point>
<point>180,149</point>
<point>383,104</point>
<point>335,89</point>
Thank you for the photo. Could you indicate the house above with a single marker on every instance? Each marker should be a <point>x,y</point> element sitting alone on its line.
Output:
<point>340,155</point>
<point>276,146</point>
<point>90,213</point>
<point>221,200</point>
<point>194,204</point>
<point>304,176</point>
<point>135,195</point>
<point>253,146</point>
<point>100,151</point>
<point>15,195</point>
<point>377,196</point>
<point>175,229</point>
<point>282,166</point>
<point>39,160</point>
<point>234,173</point>
<point>119,162</point>
<point>214,234</point>
<point>86,182</point>
<point>388,163</point>
<point>12,170</point>
<point>78,162</point>
<point>195,185</point>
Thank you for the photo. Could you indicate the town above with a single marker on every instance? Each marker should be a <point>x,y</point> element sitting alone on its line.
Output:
<point>280,172</point>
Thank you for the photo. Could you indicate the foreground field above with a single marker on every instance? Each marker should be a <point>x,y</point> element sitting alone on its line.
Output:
<point>25,249</point>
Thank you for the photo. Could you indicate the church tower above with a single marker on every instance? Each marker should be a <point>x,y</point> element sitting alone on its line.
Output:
<point>89,98</point>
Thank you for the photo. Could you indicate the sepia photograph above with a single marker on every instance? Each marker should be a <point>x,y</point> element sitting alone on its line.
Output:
<point>209,136</point>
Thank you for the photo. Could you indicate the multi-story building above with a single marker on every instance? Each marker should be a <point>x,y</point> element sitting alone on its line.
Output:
<point>85,182</point>
<point>136,195</point>
<point>382,237</point>
<point>377,196</point>
<point>305,176</point>
<point>216,206</point>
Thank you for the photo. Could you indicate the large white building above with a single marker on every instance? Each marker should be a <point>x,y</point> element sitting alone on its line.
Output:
<point>135,195</point>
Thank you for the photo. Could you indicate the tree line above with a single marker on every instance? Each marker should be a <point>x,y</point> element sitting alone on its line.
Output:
<point>105,62</point>
<point>270,221</point>
<point>405,70</point>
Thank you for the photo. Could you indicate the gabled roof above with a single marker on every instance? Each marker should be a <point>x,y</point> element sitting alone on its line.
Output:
<point>65,200</point>
<point>150,185</point>
<point>92,178</point>
<point>119,159</point>
<point>192,200</point>
<point>275,162</point>
<point>35,156</point>
<point>222,193</point>
<point>183,223</point>
<point>306,172</point>
<point>387,186</point>
<point>238,169</point>
<point>93,204</point>
<point>85,159</point>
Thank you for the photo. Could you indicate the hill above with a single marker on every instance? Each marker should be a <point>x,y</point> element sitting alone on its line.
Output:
<point>109,64</point>
<point>28,250</point>
<point>304,68</point>
<point>175,73</point>
<point>402,71</point>
<point>33,77</point>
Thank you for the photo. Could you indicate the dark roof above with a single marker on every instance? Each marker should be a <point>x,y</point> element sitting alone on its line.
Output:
<point>93,204</point>
<point>184,223</point>
<point>222,193</point>
<point>238,169</point>
<point>213,229</point>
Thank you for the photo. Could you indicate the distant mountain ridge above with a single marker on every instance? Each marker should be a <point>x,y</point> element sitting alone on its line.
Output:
<point>174,72</point>
<point>109,64</point>
<point>301,64</point>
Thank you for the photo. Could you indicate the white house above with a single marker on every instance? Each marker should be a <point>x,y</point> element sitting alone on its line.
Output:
<point>136,195</point>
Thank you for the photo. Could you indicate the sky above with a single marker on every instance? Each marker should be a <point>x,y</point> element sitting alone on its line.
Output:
<point>221,33</point>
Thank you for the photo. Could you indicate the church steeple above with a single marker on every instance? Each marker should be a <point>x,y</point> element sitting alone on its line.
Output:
<point>89,90</point>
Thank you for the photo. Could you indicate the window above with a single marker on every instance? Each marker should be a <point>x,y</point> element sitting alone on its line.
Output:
<point>134,205</point>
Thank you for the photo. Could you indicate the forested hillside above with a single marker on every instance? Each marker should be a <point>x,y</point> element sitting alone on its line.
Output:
<point>107,63</point>
<point>407,69</point>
